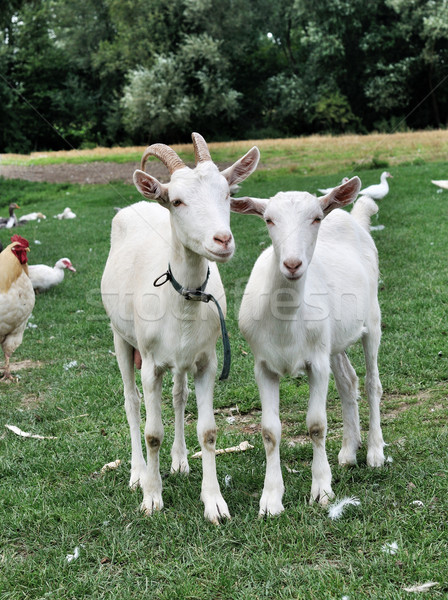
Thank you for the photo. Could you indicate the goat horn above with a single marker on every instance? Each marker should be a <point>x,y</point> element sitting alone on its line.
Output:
<point>201,152</point>
<point>166,154</point>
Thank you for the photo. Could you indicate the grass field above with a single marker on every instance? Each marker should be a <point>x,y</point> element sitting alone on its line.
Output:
<point>54,499</point>
<point>317,154</point>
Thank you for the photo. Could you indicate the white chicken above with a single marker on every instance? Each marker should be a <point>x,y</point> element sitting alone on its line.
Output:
<point>379,190</point>
<point>67,213</point>
<point>16,297</point>
<point>44,277</point>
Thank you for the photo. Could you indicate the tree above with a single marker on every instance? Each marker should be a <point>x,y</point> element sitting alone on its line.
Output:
<point>33,64</point>
<point>112,71</point>
<point>320,42</point>
<point>180,92</point>
<point>424,23</point>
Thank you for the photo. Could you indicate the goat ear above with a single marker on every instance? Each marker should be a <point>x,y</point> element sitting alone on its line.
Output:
<point>248,206</point>
<point>341,195</point>
<point>150,188</point>
<point>243,167</point>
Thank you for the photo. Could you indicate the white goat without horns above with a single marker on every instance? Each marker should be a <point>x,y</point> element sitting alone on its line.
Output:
<point>157,326</point>
<point>310,295</point>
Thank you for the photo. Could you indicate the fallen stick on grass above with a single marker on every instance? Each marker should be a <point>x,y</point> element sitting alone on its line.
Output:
<point>240,448</point>
<point>74,417</point>
<point>25,434</point>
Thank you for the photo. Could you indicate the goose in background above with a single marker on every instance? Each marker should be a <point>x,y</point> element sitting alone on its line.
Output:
<point>441,183</point>
<point>379,190</point>
<point>11,221</point>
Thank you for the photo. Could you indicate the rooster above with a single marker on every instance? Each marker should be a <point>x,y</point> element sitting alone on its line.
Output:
<point>16,297</point>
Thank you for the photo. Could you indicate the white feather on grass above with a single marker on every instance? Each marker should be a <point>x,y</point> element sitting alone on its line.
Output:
<point>335,510</point>
<point>425,587</point>
<point>25,434</point>
<point>70,557</point>
<point>390,548</point>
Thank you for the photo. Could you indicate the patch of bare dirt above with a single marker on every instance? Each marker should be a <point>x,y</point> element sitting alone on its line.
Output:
<point>26,364</point>
<point>30,402</point>
<point>299,440</point>
<point>91,173</point>
<point>406,402</point>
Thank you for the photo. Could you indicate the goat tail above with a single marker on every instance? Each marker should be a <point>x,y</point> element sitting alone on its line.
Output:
<point>364,208</point>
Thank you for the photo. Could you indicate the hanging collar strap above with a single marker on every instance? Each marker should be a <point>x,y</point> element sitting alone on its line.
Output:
<point>189,294</point>
<point>199,295</point>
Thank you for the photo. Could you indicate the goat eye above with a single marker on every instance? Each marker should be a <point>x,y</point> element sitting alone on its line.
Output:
<point>177,202</point>
<point>317,220</point>
<point>269,222</point>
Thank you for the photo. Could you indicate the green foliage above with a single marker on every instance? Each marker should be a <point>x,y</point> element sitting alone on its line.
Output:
<point>154,102</point>
<point>333,113</point>
<point>388,90</point>
<point>180,92</point>
<point>77,73</point>
<point>288,107</point>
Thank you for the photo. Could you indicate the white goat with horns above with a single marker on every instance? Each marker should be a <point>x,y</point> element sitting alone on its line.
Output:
<point>310,295</point>
<point>157,326</point>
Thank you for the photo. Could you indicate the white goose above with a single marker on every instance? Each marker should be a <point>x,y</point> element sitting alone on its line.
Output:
<point>441,183</point>
<point>379,190</point>
<point>44,277</point>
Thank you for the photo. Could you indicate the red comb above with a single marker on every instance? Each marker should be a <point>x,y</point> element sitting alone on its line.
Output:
<point>22,241</point>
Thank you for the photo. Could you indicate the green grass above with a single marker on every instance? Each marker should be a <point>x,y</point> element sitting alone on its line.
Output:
<point>318,154</point>
<point>52,498</point>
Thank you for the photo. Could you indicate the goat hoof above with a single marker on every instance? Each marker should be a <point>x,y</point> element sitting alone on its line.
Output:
<point>375,458</point>
<point>270,506</point>
<point>322,496</point>
<point>150,505</point>
<point>347,459</point>
<point>216,511</point>
<point>180,466</point>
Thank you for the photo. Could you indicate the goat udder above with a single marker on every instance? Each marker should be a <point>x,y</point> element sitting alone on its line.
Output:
<point>137,359</point>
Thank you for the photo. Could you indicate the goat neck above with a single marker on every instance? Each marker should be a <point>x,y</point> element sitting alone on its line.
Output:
<point>188,267</point>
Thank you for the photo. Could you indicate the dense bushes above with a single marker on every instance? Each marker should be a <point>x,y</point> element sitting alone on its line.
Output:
<point>132,71</point>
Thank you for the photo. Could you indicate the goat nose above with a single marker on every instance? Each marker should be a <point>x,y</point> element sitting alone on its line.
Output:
<point>292,265</point>
<point>223,238</point>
